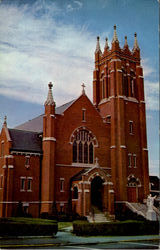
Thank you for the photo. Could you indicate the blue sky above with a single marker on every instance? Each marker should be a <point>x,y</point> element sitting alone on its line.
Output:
<point>47,40</point>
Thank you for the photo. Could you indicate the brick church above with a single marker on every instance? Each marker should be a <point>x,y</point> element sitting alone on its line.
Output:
<point>82,154</point>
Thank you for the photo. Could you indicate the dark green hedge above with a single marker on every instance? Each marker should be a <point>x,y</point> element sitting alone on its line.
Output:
<point>63,217</point>
<point>27,226</point>
<point>116,228</point>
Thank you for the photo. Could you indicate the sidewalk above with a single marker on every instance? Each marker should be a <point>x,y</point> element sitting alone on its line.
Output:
<point>65,237</point>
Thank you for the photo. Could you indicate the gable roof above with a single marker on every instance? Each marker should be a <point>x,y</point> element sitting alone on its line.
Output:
<point>36,124</point>
<point>25,141</point>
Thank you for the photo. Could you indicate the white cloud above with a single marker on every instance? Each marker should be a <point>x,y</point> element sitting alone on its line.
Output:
<point>151,87</point>
<point>147,69</point>
<point>152,95</point>
<point>35,51</point>
<point>154,167</point>
<point>74,5</point>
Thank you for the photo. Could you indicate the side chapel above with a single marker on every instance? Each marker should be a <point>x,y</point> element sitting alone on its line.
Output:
<point>82,154</point>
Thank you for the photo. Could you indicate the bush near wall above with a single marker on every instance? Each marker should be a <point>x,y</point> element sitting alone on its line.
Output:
<point>116,228</point>
<point>63,217</point>
<point>27,226</point>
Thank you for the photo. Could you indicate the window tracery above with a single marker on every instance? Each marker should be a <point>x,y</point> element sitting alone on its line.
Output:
<point>83,146</point>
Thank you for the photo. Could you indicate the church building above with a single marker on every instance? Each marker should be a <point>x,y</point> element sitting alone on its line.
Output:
<point>83,153</point>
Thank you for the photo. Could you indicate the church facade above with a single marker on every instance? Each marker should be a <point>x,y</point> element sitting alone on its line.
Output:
<point>82,154</point>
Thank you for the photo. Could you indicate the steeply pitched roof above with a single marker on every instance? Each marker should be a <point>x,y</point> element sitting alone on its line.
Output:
<point>25,141</point>
<point>61,109</point>
<point>36,124</point>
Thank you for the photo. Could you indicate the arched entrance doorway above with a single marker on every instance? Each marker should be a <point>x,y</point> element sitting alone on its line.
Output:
<point>97,192</point>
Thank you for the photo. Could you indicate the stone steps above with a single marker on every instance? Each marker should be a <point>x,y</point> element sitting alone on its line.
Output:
<point>141,209</point>
<point>98,218</point>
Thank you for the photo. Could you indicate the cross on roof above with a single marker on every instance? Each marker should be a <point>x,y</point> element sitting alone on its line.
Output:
<point>83,90</point>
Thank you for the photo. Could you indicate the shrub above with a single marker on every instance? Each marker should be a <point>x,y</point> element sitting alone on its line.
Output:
<point>27,226</point>
<point>116,228</point>
<point>63,217</point>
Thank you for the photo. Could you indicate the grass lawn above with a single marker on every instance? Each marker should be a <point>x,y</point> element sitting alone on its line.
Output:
<point>62,225</point>
<point>24,220</point>
<point>17,226</point>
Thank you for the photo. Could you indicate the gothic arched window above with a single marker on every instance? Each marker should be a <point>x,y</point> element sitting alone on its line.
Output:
<point>80,151</point>
<point>75,193</point>
<point>86,152</point>
<point>83,146</point>
<point>75,151</point>
<point>91,153</point>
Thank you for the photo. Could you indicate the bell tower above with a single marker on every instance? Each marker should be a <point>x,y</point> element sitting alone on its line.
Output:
<point>118,94</point>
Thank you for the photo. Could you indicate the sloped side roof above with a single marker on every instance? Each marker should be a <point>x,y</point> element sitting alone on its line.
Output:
<point>25,141</point>
<point>78,176</point>
<point>36,124</point>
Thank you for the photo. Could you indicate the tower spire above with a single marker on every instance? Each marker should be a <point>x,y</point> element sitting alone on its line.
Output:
<point>125,44</point>
<point>135,42</point>
<point>50,100</point>
<point>98,49</point>
<point>106,44</point>
<point>115,38</point>
<point>5,121</point>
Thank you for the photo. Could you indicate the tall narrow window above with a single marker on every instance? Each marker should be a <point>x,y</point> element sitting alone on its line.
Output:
<point>134,161</point>
<point>109,84</point>
<point>132,87</point>
<point>2,149</point>
<point>61,184</point>
<point>107,87</point>
<point>91,153</point>
<point>83,115</point>
<point>75,151</point>
<point>61,207</point>
<point>29,184</point>
<point>22,183</point>
<point>85,152</point>
<point>1,181</point>
<point>80,152</point>
<point>130,160</point>
<point>123,84</point>
<point>27,161</point>
<point>103,88</point>
<point>131,127</point>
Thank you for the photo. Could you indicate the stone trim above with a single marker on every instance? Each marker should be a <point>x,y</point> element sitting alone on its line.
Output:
<point>49,139</point>
<point>116,60</point>
<point>86,190</point>
<point>53,116</point>
<point>110,183</point>
<point>8,156</point>
<point>145,149</point>
<point>111,191</point>
<point>10,166</point>
<point>25,153</point>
